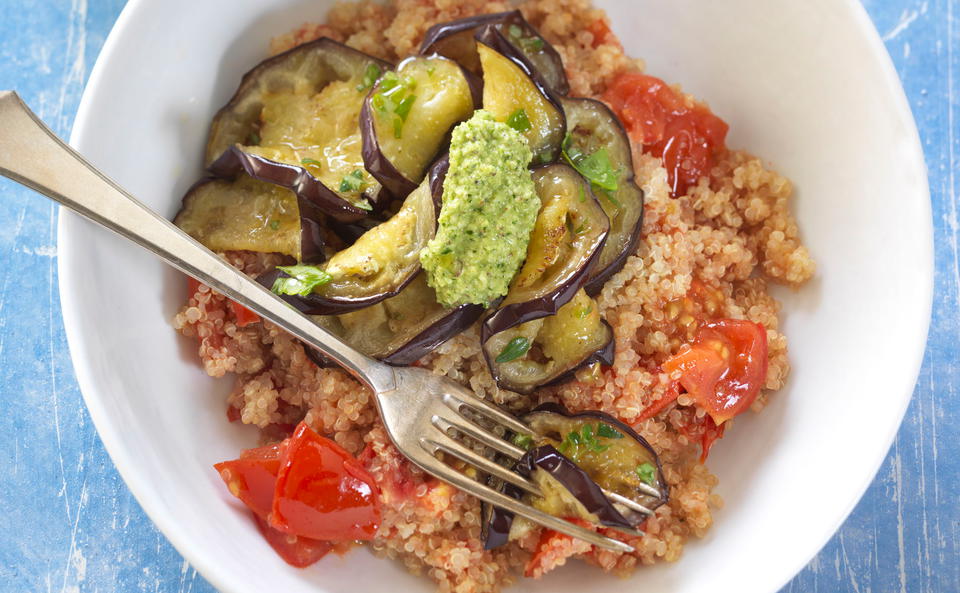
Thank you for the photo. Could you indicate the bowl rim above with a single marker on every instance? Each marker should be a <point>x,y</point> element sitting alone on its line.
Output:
<point>192,550</point>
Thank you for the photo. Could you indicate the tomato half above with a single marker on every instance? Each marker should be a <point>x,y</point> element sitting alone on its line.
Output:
<point>686,138</point>
<point>724,367</point>
<point>322,492</point>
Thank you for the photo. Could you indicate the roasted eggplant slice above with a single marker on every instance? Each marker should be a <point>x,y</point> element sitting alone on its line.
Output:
<point>249,215</point>
<point>567,238</point>
<point>597,141</point>
<point>573,458</point>
<point>455,40</point>
<point>295,119</point>
<point>514,94</point>
<point>407,117</point>
<point>608,450</point>
<point>404,328</point>
<point>548,350</point>
<point>380,263</point>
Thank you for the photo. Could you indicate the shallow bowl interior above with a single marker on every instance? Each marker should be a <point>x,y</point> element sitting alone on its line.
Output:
<point>807,85</point>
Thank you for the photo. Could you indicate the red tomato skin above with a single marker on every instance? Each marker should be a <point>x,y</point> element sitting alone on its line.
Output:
<point>686,138</point>
<point>322,492</point>
<point>724,368</point>
<point>242,315</point>
<point>252,481</point>
<point>295,550</point>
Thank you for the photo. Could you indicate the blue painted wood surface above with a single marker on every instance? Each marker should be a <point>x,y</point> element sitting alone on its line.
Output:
<point>68,523</point>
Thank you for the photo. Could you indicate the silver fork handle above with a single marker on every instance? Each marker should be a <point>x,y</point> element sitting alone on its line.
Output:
<point>34,156</point>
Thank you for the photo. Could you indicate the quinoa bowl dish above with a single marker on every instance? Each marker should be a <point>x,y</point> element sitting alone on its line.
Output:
<point>646,300</point>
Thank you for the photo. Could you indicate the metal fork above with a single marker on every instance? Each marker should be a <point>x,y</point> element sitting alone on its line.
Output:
<point>424,414</point>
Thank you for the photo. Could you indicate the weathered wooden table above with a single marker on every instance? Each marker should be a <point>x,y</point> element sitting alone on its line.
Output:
<point>68,523</point>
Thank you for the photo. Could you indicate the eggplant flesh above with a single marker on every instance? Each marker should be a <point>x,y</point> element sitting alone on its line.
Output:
<point>511,88</point>
<point>379,264</point>
<point>556,346</point>
<point>249,215</point>
<point>567,237</point>
<point>591,127</point>
<point>407,117</point>
<point>402,329</point>
<point>456,40</point>
<point>300,111</point>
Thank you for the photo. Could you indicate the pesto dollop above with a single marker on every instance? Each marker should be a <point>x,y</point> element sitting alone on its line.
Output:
<point>489,209</point>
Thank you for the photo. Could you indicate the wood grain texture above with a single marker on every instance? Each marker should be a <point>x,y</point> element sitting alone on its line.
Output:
<point>70,524</point>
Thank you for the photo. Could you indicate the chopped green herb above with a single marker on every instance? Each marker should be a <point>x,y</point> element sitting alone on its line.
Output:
<point>524,441</point>
<point>647,473</point>
<point>303,279</point>
<point>608,432</point>
<point>403,107</point>
<point>394,99</point>
<point>370,76</point>
<point>363,205</point>
<point>352,181</point>
<point>525,43</point>
<point>580,229</point>
<point>583,193</point>
<point>309,162</point>
<point>595,167</point>
<point>514,349</point>
<point>430,70</point>
<point>274,224</point>
<point>518,120</point>
<point>582,314</point>
<point>253,139</point>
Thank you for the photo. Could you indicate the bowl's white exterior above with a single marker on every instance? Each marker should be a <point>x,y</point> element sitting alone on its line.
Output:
<point>806,85</point>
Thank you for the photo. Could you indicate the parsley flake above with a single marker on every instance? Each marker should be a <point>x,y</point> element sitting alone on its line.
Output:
<point>647,473</point>
<point>302,280</point>
<point>519,121</point>
<point>514,349</point>
<point>352,181</point>
<point>595,167</point>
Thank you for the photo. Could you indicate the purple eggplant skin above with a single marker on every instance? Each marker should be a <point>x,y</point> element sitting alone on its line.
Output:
<point>603,355</point>
<point>543,305</point>
<point>378,164</point>
<point>624,233</point>
<point>627,431</point>
<point>453,40</point>
<point>312,242</point>
<point>584,489</point>
<point>234,122</point>
<point>316,304</point>
<point>235,161</point>
<point>493,37</point>
<point>454,322</point>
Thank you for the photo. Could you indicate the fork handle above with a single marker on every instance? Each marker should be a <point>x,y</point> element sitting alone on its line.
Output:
<point>34,156</point>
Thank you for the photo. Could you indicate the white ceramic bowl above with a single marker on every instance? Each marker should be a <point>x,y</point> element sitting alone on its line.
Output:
<point>806,85</point>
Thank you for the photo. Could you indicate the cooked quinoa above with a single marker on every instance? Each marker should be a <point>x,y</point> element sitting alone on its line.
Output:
<point>732,233</point>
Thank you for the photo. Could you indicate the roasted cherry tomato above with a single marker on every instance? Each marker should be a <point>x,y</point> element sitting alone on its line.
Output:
<point>323,492</point>
<point>687,138</point>
<point>724,367</point>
